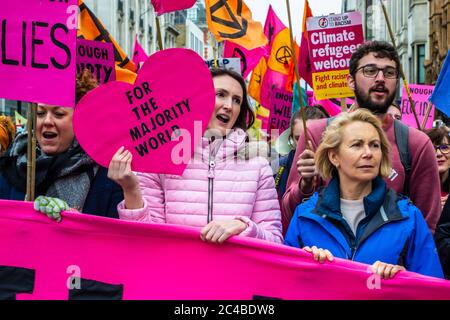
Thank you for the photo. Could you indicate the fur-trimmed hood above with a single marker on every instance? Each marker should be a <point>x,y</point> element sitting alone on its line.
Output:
<point>235,146</point>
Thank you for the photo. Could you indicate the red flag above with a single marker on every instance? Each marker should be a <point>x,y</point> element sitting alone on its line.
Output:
<point>164,6</point>
<point>139,54</point>
<point>249,58</point>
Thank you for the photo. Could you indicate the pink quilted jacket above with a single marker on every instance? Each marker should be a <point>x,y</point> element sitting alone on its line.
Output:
<point>218,182</point>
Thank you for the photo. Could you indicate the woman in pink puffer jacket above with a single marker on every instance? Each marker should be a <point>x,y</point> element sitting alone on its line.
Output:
<point>226,188</point>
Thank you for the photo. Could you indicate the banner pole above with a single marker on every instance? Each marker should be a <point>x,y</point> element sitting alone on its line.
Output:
<point>297,75</point>
<point>158,33</point>
<point>31,151</point>
<point>402,73</point>
<point>344,104</point>
<point>215,51</point>
<point>29,133</point>
<point>427,113</point>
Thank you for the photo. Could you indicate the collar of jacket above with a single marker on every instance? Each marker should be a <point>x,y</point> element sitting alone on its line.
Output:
<point>219,148</point>
<point>329,202</point>
<point>236,144</point>
<point>380,207</point>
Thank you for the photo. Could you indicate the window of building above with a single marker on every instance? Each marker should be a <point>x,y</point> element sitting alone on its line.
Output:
<point>420,67</point>
<point>369,19</point>
<point>401,11</point>
<point>394,15</point>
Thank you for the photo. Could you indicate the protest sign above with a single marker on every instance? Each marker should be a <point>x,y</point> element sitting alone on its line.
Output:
<point>98,58</point>
<point>88,256</point>
<point>280,110</point>
<point>420,95</point>
<point>92,28</point>
<point>38,51</point>
<point>332,40</point>
<point>233,64</point>
<point>169,100</point>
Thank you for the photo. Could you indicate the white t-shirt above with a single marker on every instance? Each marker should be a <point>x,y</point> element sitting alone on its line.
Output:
<point>353,212</point>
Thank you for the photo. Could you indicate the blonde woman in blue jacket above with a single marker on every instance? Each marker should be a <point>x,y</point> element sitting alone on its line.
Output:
<point>356,217</point>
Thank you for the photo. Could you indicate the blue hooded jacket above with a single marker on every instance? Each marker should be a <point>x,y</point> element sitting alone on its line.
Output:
<point>393,231</point>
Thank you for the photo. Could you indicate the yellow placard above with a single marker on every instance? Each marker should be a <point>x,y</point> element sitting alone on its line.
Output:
<point>333,84</point>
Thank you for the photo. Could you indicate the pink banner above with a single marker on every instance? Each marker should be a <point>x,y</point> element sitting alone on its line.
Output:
<point>160,119</point>
<point>420,95</point>
<point>164,6</point>
<point>143,261</point>
<point>280,110</point>
<point>97,57</point>
<point>38,51</point>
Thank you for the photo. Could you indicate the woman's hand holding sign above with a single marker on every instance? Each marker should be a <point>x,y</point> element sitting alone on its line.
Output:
<point>120,171</point>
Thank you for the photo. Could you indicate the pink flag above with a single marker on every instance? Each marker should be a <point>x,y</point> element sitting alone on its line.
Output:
<point>249,58</point>
<point>279,56</point>
<point>164,6</point>
<point>272,27</point>
<point>139,54</point>
<point>272,80</point>
<point>304,63</point>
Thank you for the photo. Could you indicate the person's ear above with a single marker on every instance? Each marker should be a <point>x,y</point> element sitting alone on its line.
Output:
<point>333,156</point>
<point>351,82</point>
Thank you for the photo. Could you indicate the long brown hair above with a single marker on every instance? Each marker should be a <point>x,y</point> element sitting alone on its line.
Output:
<point>246,117</point>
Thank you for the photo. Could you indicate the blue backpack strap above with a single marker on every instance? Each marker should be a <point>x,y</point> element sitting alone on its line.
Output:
<point>401,138</point>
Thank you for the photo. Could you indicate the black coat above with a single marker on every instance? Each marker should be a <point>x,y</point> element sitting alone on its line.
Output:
<point>102,199</point>
<point>442,239</point>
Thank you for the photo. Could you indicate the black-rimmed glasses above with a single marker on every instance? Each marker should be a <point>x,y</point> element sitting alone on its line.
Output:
<point>371,71</point>
<point>445,148</point>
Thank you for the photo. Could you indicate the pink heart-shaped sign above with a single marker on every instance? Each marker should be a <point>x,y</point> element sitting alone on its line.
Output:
<point>173,95</point>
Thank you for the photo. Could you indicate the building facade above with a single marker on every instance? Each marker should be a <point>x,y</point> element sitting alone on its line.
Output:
<point>439,37</point>
<point>194,30</point>
<point>409,21</point>
<point>126,18</point>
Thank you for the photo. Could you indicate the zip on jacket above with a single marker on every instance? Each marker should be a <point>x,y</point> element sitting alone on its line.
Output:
<point>211,175</point>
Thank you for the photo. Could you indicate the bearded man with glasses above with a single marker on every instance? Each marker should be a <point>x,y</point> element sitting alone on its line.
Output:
<point>374,78</point>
